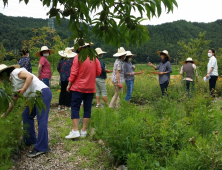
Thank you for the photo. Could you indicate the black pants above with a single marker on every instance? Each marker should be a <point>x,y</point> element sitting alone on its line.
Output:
<point>188,85</point>
<point>164,87</point>
<point>64,97</point>
<point>212,84</point>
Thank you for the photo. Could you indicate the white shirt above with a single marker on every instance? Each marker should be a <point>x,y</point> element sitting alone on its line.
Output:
<point>212,63</point>
<point>18,83</point>
<point>187,78</point>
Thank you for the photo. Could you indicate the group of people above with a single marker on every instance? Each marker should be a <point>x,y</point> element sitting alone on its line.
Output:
<point>79,81</point>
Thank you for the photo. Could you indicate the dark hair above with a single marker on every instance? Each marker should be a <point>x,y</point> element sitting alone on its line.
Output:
<point>213,51</point>
<point>166,57</point>
<point>7,72</point>
<point>127,58</point>
<point>41,53</point>
<point>23,51</point>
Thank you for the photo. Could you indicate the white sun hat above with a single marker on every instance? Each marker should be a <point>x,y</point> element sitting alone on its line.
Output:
<point>4,67</point>
<point>67,53</point>
<point>86,44</point>
<point>44,48</point>
<point>164,52</point>
<point>121,51</point>
<point>100,51</point>
<point>128,53</point>
<point>189,60</point>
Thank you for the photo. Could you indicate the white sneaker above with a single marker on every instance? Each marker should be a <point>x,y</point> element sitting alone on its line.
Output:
<point>73,134</point>
<point>83,134</point>
<point>97,106</point>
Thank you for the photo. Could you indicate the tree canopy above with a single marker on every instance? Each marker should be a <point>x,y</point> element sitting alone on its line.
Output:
<point>112,20</point>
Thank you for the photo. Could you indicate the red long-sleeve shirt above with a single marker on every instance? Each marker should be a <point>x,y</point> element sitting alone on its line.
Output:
<point>83,75</point>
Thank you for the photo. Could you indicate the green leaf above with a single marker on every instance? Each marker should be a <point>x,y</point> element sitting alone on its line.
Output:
<point>58,19</point>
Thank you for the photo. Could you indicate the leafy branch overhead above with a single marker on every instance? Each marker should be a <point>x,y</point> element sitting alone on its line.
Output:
<point>114,21</point>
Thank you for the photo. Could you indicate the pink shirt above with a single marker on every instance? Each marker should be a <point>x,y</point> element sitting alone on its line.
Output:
<point>83,75</point>
<point>46,69</point>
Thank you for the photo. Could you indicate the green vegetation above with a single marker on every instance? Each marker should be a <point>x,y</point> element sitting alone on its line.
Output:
<point>14,30</point>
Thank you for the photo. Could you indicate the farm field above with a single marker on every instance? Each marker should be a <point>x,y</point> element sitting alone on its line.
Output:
<point>174,132</point>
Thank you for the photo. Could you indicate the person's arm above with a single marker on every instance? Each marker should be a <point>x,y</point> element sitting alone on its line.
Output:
<point>181,71</point>
<point>156,68</point>
<point>118,77</point>
<point>28,80</point>
<point>39,70</point>
<point>98,68</point>
<point>135,73</point>
<point>108,71</point>
<point>212,64</point>
<point>10,107</point>
<point>73,73</point>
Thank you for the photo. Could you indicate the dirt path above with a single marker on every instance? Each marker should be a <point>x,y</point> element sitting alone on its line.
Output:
<point>64,154</point>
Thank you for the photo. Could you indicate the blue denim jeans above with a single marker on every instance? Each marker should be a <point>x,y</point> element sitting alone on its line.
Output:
<point>130,85</point>
<point>46,81</point>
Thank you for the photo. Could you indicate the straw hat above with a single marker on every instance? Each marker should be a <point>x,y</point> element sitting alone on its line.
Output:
<point>121,51</point>
<point>86,44</point>
<point>67,53</point>
<point>44,48</point>
<point>4,67</point>
<point>190,60</point>
<point>100,51</point>
<point>128,53</point>
<point>165,52</point>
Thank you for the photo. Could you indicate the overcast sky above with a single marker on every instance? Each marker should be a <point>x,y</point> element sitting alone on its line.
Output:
<point>190,10</point>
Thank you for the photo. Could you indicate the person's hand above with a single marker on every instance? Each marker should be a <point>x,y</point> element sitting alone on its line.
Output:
<point>150,64</point>
<point>162,73</point>
<point>110,71</point>
<point>141,72</point>
<point>133,67</point>
<point>3,115</point>
<point>21,91</point>
<point>207,76</point>
<point>68,88</point>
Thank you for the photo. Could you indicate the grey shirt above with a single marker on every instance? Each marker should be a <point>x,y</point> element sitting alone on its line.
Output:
<point>128,68</point>
<point>166,67</point>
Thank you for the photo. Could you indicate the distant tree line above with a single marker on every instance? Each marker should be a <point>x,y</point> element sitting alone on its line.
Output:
<point>14,30</point>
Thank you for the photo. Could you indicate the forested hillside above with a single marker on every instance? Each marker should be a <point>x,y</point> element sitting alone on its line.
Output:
<point>13,30</point>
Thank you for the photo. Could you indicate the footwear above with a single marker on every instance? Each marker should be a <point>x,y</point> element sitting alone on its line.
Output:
<point>83,134</point>
<point>73,134</point>
<point>34,153</point>
<point>99,105</point>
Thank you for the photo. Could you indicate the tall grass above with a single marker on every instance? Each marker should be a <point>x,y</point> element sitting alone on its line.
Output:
<point>178,131</point>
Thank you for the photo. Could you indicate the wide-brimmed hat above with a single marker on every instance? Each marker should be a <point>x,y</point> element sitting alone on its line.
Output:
<point>4,67</point>
<point>164,52</point>
<point>121,51</point>
<point>44,48</point>
<point>189,60</point>
<point>86,44</point>
<point>128,53</point>
<point>100,51</point>
<point>67,53</point>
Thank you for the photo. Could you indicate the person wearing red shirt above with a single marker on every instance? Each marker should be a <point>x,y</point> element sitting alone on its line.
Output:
<point>82,86</point>
<point>44,69</point>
